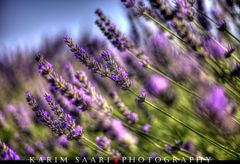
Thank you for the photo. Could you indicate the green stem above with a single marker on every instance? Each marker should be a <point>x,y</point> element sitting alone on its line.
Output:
<point>207,33</point>
<point>158,146</point>
<point>222,147</point>
<point>213,64</point>
<point>174,82</point>
<point>233,36</point>
<point>235,57</point>
<point>226,149</point>
<point>227,31</point>
<point>95,147</point>
<point>163,26</point>
<point>136,130</point>
<point>160,140</point>
<point>167,77</point>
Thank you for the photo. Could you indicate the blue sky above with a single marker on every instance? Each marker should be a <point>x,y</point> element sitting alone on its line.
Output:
<point>24,23</point>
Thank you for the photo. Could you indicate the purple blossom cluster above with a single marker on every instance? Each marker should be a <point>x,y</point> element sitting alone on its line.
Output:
<point>63,124</point>
<point>7,153</point>
<point>111,32</point>
<point>171,88</point>
<point>103,142</point>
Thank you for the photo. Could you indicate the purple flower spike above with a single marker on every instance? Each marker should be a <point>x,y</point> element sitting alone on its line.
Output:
<point>222,25</point>
<point>121,133</point>
<point>115,72</point>
<point>189,146</point>
<point>103,142</point>
<point>128,3</point>
<point>157,85</point>
<point>7,153</point>
<point>65,88</point>
<point>214,49</point>
<point>48,98</point>
<point>76,133</point>
<point>141,96</point>
<point>215,103</point>
<point>29,150</point>
<point>45,68</point>
<point>84,57</point>
<point>132,117</point>
<point>146,128</point>
<point>168,147</point>
<point>64,124</point>
<point>111,32</point>
<point>62,140</point>
<point>11,155</point>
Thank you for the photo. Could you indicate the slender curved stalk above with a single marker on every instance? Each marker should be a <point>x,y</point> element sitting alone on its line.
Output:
<point>233,36</point>
<point>174,82</point>
<point>206,16</point>
<point>163,26</point>
<point>175,35</point>
<point>214,64</point>
<point>179,85</point>
<point>160,140</point>
<point>167,77</point>
<point>225,49</point>
<point>222,147</point>
<point>235,57</point>
<point>158,146</point>
<point>149,137</point>
<point>95,147</point>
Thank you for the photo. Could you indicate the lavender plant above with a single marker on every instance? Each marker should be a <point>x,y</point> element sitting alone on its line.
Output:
<point>171,88</point>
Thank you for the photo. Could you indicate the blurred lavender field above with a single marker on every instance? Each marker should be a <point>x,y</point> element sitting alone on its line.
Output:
<point>124,78</point>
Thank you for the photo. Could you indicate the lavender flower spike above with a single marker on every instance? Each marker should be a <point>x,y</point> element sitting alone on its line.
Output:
<point>103,142</point>
<point>64,124</point>
<point>114,72</point>
<point>157,85</point>
<point>62,140</point>
<point>217,106</point>
<point>128,3</point>
<point>111,69</point>
<point>43,115</point>
<point>111,32</point>
<point>146,128</point>
<point>75,132</point>
<point>6,153</point>
<point>84,57</point>
<point>76,97</point>
<point>121,133</point>
<point>91,91</point>
<point>215,103</point>
<point>130,116</point>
